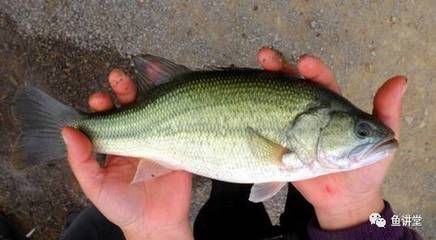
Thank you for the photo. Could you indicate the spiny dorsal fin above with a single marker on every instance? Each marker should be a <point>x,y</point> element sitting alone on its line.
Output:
<point>153,71</point>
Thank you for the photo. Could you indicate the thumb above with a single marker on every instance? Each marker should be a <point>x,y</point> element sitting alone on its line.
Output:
<point>388,102</point>
<point>82,162</point>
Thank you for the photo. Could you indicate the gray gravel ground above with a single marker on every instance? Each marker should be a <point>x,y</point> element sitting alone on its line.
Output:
<point>68,47</point>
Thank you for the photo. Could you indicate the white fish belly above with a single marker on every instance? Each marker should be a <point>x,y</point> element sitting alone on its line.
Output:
<point>230,160</point>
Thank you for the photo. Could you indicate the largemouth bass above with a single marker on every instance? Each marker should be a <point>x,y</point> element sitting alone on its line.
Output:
<point>235,125</point>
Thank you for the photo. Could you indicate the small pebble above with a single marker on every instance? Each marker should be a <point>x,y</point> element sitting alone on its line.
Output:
<point>313,24</point>
<point>409,120</point>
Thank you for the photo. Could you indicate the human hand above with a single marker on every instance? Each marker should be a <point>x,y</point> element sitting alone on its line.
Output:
<point>344,199</point>
<point>156,209</point>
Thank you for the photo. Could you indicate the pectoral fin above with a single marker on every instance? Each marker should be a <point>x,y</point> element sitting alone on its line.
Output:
<point>291,161</point>
<point>263,191</point>
<point>265,149</point>
<point>147,170</point>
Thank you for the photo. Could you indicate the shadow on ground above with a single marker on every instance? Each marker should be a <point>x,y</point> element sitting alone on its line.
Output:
<point>41,197</point>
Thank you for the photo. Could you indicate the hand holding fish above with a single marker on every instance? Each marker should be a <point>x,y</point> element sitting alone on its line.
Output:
<point>344,199</point>
<point>156,209</point>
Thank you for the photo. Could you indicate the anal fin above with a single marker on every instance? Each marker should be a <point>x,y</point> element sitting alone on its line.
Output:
<point>148,170</point>
<point>101,159</point>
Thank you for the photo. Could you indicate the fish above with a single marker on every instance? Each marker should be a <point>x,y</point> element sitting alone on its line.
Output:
<point>239,125</point>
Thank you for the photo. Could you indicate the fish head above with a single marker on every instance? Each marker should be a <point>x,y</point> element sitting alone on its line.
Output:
<point>353,140</point>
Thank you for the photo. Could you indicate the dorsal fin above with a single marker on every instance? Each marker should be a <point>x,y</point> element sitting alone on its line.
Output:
<point>152,71</point>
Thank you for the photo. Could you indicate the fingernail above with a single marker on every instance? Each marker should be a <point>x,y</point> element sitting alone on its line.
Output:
<point>265,47</point>
<point>306,55</point>
<point>405,85</point>
<point>64,137</point>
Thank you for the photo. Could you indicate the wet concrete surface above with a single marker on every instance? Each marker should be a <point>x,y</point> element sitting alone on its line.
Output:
<point>68,48</point>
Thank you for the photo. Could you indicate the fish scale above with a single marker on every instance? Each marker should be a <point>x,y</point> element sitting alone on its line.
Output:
<point>208,111</point>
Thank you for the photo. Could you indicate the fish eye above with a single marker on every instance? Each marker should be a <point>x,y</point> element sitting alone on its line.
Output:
<point>363,130</point>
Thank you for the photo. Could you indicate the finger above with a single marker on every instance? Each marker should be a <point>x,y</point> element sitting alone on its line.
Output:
<point>123,86</point>
<point>100,101</point>
<point>311,67</point>
<point>83,165</point>
<point>272,60</point>
<point>388,102</point>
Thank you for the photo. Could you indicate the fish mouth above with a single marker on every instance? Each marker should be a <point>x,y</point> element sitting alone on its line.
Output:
<point>368,154</point>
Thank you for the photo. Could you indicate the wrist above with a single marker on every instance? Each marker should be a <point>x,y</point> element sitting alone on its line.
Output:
<point>351,213</point>
<point>182,231</point>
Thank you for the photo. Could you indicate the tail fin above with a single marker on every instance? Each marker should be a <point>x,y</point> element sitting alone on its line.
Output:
<point>40,118</point>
